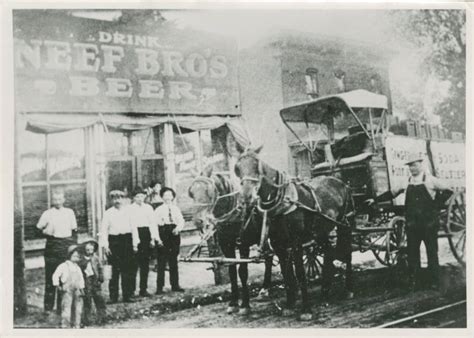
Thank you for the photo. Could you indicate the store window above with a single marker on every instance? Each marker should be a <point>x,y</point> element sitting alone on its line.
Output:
<point>312,83</point>
<point>50,162</point>
<point>194,151</point>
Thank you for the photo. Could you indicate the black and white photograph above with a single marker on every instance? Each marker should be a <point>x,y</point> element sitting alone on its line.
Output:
<point>239,167</point>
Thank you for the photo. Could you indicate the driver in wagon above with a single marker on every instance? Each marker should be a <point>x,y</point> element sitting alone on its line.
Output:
<point>421,213</point>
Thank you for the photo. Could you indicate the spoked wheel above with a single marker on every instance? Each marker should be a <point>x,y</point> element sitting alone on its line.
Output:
<point>312,263</point>
<point>455,226</point>
<point>389,247</point>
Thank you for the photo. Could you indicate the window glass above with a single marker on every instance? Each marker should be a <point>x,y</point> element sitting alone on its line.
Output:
<point>35,201</point>
<point>143,142</point>
<point>33,157</point>
<point>186,161</point>
<point>116,144</point>
<point>66,155</point>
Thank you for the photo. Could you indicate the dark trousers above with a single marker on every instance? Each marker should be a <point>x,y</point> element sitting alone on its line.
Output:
<point>93,293</point>
<point>55,253</point>
<point>168,253</point>
<point>417,233</point>
<point>143,258</point>
<point>121,259</point>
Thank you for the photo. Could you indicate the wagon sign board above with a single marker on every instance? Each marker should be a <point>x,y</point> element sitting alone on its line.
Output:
<point>398,150</point>
<point>449,163</point>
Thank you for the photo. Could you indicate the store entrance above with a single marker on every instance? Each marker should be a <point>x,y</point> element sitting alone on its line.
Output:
<point>136,162</point>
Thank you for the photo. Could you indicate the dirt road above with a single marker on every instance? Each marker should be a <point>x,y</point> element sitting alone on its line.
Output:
<point>379,298</point>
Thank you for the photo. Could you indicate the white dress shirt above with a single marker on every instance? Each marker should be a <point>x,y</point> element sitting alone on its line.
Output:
<point>162,216</point>
<point>57,222</point>
<point>142,217</point>
<point>117,222</point>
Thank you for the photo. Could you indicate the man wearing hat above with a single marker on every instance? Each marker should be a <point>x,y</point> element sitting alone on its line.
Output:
<point>69,281</point>
<point>93,277</point>
<point>141,215</point>
<point>170,223</point>
<point>421,213</point>
<point>58,224</point>
<point>120,240</point>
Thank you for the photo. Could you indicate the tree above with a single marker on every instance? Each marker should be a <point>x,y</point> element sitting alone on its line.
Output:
<point>442,36</point>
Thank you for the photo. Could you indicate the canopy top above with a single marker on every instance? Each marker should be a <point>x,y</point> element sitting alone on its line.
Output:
<point>316,111</point>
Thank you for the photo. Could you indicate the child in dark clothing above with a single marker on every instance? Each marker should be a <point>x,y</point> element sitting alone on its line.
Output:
<point>93,277</point>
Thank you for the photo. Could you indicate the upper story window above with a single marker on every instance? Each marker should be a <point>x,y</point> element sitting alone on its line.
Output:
<point>312,83</point>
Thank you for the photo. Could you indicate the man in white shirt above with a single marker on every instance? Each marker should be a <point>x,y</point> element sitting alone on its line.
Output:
<point>142,218</point>
<point>59,226</point>
<point>421,213</point>
<point>119,239</point>
<point>170,223</point>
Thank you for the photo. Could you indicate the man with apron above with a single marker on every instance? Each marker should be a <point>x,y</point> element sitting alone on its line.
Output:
<point>421,213</point>
<point>119,239</point>
<point>59,226</point>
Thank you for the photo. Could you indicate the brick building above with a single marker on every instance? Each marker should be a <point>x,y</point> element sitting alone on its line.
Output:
<point>292,67</point>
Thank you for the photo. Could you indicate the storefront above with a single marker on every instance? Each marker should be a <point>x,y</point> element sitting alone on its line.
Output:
<point>113,105</point>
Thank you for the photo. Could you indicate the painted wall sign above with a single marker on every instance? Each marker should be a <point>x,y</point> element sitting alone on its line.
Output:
<point>449,163</point>
<point>398,150</point>
<point>68,64</point>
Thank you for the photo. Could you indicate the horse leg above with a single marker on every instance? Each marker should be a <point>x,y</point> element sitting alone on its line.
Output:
<point>243,274</point>
<point>348,261</point>
<point>327,273</point>
<point>301,275</point>
<point>286,266</point>
<point>267,279</point>
<point>229,252</point>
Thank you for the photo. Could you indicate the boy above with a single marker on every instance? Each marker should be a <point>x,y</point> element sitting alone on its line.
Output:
<point>93,277</point>
<point>69,281</point>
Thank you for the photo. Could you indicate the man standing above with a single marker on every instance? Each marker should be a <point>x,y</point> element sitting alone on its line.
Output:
<point>170,223</point>
<point>119,239</point>
<point>421,213</point>
<point>59,226</point>
<point>141,215</point>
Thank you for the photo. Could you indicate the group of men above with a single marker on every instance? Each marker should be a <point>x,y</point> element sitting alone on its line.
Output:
<point>129,233</point>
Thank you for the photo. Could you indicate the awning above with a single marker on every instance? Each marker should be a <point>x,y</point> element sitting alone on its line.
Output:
<point>316,111</point>
<point>47,123</point>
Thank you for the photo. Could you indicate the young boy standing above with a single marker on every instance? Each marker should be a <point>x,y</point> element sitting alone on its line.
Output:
<point>93,277</point>
<point>69,281</point>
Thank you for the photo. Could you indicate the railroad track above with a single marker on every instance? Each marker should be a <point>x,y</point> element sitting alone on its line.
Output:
<point>440,317</point>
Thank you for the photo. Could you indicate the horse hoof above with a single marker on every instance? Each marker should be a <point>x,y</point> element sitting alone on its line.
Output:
<point>244,311</point>
<point>287,312</point>
<point>305,317</point>
<point>263,294</point>
<point>350,295</point>
<point>232,309</point>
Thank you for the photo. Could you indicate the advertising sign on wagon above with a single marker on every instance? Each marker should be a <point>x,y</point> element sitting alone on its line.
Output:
<point>399,149</point>
<point>449,163</point>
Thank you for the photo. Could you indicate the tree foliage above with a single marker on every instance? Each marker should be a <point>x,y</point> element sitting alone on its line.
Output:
<point>442,35</point>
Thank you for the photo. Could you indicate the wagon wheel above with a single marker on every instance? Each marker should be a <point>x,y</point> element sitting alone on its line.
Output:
<point>455,226</point>
<point>312,263</point>
<point>389,247</point>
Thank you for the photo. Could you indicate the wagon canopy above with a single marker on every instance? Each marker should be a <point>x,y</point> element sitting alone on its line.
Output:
<point>319,110</point>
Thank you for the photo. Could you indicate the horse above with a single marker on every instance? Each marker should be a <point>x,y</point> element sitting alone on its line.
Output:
<point>218,207</point>
<point>300,211</point>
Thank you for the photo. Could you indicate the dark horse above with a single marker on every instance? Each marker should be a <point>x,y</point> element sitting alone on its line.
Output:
<point>291,207</point>
<point>218,207</point>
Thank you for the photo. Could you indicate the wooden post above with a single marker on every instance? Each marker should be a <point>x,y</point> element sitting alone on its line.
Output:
<point>19,289</point>
<point>167,143</point>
